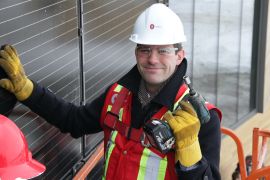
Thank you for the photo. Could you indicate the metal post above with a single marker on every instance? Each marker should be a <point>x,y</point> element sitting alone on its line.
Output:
<point>81,65</point>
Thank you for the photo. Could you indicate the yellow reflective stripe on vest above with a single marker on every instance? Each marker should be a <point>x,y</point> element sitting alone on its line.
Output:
<point>176,103</point>
<point>152,166</point>
<point>109,108</point>
<point>162,167</point>
<point>121,114</point>
<point>143,163</point>
<point>111,142</point>
<point>118,88</point>
<point>110,147</point>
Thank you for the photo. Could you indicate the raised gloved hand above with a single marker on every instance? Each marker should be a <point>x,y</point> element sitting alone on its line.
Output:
<point>17,83</point>
<point>185,126</point>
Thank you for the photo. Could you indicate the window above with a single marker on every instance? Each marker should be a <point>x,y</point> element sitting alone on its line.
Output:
<point>219,52</point>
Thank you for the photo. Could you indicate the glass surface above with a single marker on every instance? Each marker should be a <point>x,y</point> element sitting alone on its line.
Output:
<point>218,49</point>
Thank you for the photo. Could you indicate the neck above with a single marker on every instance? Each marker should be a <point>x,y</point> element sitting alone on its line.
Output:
<point>152,88</point>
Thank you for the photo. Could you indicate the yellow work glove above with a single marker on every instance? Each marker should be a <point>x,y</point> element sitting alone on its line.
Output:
<point>185,126</point>
<point>17,83</point>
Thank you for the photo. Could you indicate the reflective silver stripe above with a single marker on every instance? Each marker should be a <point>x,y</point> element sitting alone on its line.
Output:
<point>152,166</point>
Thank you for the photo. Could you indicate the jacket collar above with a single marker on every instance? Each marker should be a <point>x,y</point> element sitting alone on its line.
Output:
<point>167,94</point>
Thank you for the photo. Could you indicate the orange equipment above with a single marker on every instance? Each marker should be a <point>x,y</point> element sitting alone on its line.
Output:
<point>15,159</point>
<point>257,157</point>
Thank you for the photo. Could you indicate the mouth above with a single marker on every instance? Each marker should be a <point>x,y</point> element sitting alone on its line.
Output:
<point>152,69</point>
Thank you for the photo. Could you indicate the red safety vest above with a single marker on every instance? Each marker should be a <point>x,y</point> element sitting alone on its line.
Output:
<point>125,156</point>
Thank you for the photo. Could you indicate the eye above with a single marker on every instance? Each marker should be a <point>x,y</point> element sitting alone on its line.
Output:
<point>164,51</point>
<point>144,50</point>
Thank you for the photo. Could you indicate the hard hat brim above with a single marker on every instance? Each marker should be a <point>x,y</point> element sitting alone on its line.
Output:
<point>27,170</point>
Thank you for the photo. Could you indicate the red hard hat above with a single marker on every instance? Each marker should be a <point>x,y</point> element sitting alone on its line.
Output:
<point>15,158</point>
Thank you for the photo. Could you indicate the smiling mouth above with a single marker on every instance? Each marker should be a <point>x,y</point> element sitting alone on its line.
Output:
<point>151,69</point>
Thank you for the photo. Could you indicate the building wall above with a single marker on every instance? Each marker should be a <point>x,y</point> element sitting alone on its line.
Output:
<point>266,102</point>
<point>229,157</point>
<point>220,63</point>
<point>45,33</point>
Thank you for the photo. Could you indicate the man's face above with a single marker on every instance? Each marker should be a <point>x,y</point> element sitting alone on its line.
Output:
<point>156,63</point>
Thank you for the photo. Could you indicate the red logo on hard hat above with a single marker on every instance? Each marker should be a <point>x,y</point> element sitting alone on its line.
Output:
<point>152,26</point>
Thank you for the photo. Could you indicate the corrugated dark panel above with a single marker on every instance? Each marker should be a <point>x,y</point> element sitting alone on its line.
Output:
<point>45,35</point>
<point>108,52</point>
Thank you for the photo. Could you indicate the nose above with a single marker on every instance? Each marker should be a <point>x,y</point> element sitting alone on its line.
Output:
<point>153,57</point>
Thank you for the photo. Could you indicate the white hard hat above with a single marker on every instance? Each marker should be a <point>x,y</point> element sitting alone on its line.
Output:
<point>158,25</point>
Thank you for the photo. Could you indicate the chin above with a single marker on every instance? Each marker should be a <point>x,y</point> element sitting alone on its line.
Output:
<point>154,82</point>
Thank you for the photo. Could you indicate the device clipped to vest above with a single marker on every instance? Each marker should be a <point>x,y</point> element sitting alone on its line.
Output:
<point>159,132</point>
<point>159,135</point>
<point>156,133</point>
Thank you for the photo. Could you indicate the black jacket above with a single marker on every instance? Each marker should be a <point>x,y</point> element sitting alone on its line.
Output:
<point>80,120</point>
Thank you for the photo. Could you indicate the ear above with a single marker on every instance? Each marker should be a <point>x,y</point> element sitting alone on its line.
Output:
<point>135,51</point>
<point>180,56</point>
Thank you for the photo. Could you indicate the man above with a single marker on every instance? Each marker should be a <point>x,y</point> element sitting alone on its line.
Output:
<point>151,90</point>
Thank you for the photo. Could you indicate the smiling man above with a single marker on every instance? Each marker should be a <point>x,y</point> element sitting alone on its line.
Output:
<point>151,90</point>
<point>157,63</point>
